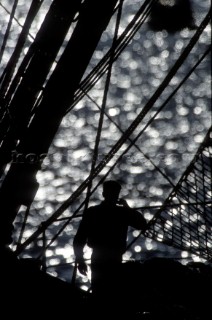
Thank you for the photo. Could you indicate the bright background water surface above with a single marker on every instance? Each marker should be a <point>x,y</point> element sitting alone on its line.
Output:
<point>170,141</point>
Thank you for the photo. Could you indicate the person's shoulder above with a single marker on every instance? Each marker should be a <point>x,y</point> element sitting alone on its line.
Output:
<point>130,211</point>
<point>93,209</point>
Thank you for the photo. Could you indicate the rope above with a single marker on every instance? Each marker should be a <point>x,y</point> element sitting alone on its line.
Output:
<point>136,146</point>
<point>121,43</point>
<point>103,65</point>
<point>6,36</point>
<point>169,204</point>
<point>189,229</point>
<point>16,20</point>
<point>207,51</point>
<point>9,70</point>
<point>104,101</point>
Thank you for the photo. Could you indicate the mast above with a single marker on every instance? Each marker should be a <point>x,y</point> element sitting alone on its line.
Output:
<point>32,136</point>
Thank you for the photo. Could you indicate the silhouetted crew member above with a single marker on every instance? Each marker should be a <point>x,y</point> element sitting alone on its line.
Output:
<point>104,229</point>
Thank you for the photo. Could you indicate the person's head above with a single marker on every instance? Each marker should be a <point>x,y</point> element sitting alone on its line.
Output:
<point>111,190</point>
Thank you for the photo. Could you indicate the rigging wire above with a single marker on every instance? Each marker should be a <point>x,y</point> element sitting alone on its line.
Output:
<point>104,101</point>
<point>136,146</point>
<point>8,72</point>
<point>16,20</point>
<point>174,191</point>
<point>99,70</point>
<point>6,35</point>
<point>121,43</point>
<point>124,137</point>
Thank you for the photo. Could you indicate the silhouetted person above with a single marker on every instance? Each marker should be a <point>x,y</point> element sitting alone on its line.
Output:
<point>104,229</point>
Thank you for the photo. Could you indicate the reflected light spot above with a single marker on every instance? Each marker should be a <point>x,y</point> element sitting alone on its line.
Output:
<point>53,273</point>
<point>84,287</point>
<point>28,233</point>
<point>136,233</point>
<point>54,261</point>
<point>169,3</point>
<point>137,248</point>
<point>179,45</point>
<point>49,209</point>
<point>49,253</point>
<point>184,127</point>
<point>168,224</point>
<point>60,143</point>
<point>127,255</point>
<point>171,145</point>
<point>147,44</point>
<point>175,212</point>
<point>79,123</point>
<point>47,175</point>
<point>79,153</point>
<point>197,259</point>
<point>148,216</point>
<point>182,111</point>
<point>113,112</point>
<point>63,252</point>
<point>153,133</point>
<point>25,50</point>
<point>130,97</point>
<point>133,65</point>
<point>61,197</point>
<point>194,244</point>
<point>159,237</point>
<point>124,82</point>
<point>198,138</point>
<point>168,114</point>
<point>165,54</point>
<point>155,82</point>
<point>184,254</point>
<point>88,252</point>
<point>126,55</point>
<point>154,61</point>
<point>156,190</point>
<point>149,246</point>
<point>136,170</point>
<point>99,54</point>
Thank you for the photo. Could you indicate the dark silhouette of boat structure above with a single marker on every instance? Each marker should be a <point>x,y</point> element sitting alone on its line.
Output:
<point>35,97</point>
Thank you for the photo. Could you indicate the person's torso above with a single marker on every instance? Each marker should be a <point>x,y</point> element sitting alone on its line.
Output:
<point>107,228</point>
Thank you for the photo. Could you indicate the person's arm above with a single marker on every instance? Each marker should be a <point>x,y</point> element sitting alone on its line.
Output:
<point>136,219</point>
<point>79,242</point>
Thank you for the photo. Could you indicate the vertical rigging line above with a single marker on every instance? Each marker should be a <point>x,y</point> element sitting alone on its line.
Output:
<point>104,101</point>
<point>8,72</point>
<point>121,44</point>
<point>6,36</point>
<point>16,20</point>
